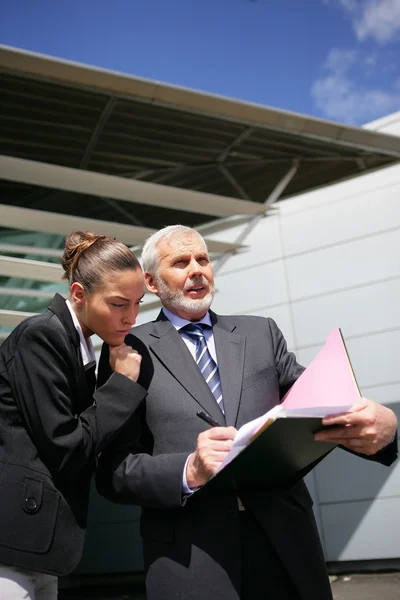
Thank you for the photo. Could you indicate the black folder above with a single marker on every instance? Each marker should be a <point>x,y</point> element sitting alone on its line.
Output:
<point>284,449</point>
<point>282,454</point>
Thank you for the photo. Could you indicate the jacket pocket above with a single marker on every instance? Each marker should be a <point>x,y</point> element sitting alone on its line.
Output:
<point>28,514</point>
<point>264,374</point>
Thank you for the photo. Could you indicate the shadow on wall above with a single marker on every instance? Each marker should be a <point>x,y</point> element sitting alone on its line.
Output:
<point>113,543</point>
<point>356,505</point>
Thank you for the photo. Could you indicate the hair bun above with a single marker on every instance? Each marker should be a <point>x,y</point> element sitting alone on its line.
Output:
<point>76,244</point>
<point>89,257</point>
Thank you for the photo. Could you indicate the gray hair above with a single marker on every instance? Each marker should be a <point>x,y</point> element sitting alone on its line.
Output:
<point>150,258</point>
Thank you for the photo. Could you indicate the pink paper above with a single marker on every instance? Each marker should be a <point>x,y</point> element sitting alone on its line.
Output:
<point>327,381</point>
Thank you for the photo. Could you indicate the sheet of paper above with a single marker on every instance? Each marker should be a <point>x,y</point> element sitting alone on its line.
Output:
<point>250,430</point>
<point>328,380</point>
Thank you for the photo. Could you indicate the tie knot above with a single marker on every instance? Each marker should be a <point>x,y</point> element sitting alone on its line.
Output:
<point>195,330</point>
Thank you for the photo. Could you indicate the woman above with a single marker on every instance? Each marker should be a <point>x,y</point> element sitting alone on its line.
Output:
<point>52,425</point>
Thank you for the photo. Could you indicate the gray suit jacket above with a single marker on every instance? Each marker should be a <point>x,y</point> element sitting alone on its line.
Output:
<point>184,541</point>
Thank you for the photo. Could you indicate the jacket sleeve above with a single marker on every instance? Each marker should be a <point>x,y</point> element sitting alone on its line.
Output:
<point>289,370</point>
<point>43,377</point>
<point>127,471</point>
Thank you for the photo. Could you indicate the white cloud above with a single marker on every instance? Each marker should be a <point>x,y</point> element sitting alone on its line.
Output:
<point>371,60</point>
<point>338,97</point>
<point>376,19</point>
<point>340,61</point>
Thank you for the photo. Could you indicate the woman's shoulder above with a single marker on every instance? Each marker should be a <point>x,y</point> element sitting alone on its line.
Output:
<point>45,329</point>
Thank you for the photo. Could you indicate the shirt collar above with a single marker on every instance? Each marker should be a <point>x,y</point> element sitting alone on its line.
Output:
<point>178,322</point>
<point>86,346</point>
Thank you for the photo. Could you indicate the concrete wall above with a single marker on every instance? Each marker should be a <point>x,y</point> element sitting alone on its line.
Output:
<point>327,258</point>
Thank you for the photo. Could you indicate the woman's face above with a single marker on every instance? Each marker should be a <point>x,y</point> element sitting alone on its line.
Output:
<point>111,309</point>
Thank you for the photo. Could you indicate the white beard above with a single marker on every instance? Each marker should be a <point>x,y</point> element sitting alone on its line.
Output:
<point>178,302</point>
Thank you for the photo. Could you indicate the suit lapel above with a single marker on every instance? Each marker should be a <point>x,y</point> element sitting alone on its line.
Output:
<point>230,349</point>
<point>169,348</point>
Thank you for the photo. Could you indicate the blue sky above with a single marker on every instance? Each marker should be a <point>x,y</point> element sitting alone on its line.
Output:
<point>335,59</point>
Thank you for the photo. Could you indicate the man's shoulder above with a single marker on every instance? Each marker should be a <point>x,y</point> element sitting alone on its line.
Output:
<point>245,320</point>
<point>142,331</point>
<point>143,327</point>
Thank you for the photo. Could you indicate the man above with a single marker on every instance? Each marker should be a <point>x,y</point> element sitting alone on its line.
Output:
<point>202,542</point>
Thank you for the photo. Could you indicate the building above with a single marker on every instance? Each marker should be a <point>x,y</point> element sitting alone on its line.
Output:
<point>302,219</point>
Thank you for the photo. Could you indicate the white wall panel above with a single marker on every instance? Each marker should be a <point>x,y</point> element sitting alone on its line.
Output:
<point>263,244</point>
<point>359,310</point>
<point>345,189</point>
<point>343,477</point>
<point>375,358</point>
<point>344,266</point>
<point>385,394</point>
<point>367,213</point>
<point>361,530</point>
<point>241,291</point>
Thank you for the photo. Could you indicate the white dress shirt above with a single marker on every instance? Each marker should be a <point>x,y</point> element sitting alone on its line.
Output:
<point>86,346</point>
<point>178,323</point>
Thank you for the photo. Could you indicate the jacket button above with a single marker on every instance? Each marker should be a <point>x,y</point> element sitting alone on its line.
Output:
<point>30,504</point>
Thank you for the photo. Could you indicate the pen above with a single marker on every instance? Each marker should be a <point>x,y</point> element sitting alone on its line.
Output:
<point>207,418</point>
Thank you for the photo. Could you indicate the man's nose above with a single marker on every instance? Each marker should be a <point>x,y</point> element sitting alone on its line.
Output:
<point>195,268</point>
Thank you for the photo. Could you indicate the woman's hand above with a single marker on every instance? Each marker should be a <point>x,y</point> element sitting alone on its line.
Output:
<point>126,361</point>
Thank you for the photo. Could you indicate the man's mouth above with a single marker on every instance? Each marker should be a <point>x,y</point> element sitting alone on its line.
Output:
<point>195,290</point>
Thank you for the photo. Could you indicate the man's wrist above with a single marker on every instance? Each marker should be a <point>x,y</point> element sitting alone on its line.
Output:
<point>186,489</point>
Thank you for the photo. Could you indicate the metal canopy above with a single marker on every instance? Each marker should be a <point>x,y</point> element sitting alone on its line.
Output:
<point>82,148</point>
<point>80,117</point>
<point>50,222</point>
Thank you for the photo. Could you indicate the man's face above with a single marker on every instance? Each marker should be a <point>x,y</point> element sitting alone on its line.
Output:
<point>184,280</point>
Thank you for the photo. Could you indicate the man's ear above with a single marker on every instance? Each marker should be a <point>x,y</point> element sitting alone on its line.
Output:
<point>150,282</point>
<point>78,294</point>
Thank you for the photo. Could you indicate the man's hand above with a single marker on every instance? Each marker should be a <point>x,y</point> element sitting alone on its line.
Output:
<point>212,448</point>
<point>366,428</point>
<point>125,360</point>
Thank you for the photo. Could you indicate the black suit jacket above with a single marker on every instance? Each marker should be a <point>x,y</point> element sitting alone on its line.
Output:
<point>192,548</point>
<point>50,433</point>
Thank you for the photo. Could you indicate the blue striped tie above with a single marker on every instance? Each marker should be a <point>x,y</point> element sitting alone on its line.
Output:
<point>205,361</point>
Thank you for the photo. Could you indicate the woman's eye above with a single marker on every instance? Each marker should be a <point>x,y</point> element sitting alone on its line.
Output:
<point>117,305</point>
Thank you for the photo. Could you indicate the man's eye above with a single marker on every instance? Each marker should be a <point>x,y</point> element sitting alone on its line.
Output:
<point>180,263</point>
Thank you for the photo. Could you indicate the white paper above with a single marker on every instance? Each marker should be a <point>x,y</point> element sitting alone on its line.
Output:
<point>248,430</point>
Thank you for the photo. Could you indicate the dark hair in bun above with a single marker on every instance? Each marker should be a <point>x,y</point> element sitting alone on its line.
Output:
<point>89,257</point>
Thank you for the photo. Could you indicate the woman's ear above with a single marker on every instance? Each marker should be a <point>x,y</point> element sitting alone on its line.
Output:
<point>78,294</point>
